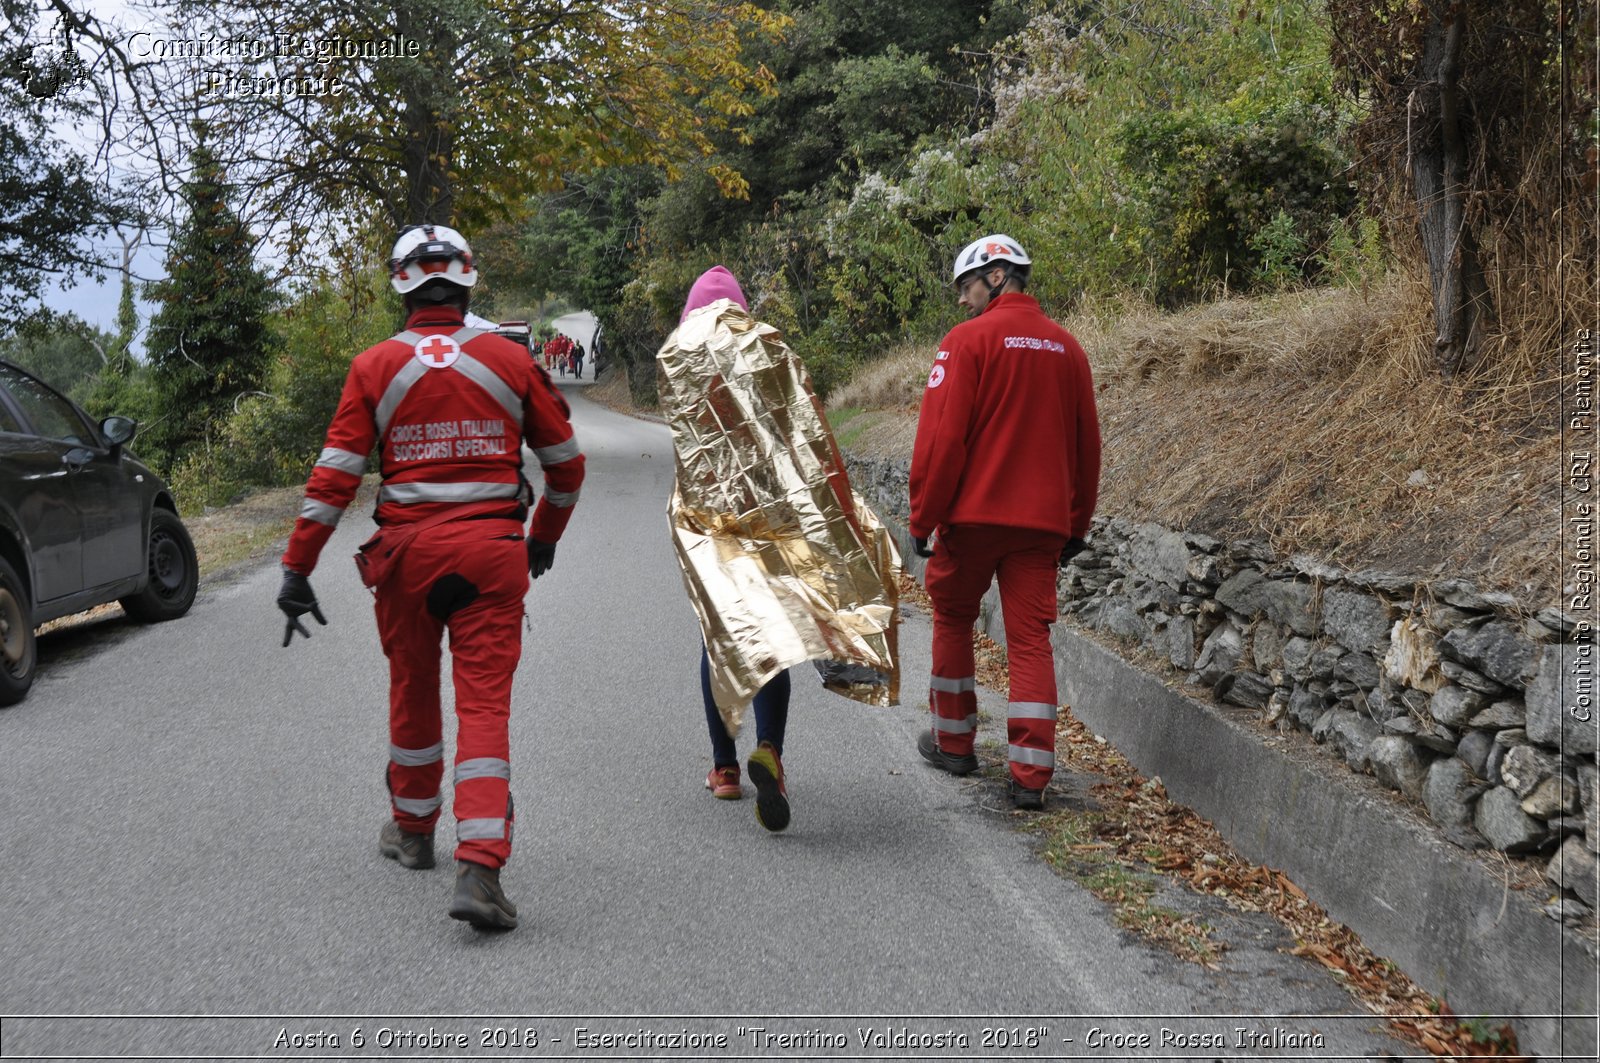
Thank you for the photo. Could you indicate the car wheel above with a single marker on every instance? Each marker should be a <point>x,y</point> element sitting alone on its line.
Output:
<point>173,575</point>
<point>19,654</point>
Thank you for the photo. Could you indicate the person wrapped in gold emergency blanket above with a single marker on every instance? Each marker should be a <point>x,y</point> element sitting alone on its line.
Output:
<point>783,562</point>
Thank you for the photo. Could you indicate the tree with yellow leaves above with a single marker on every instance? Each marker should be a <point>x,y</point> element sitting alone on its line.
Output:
<point>455,110</point>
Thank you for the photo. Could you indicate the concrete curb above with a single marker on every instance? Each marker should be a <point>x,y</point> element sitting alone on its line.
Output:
<point>1431,908</point>
<point>1376,866</point>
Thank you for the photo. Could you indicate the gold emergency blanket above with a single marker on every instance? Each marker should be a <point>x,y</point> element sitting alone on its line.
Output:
<point>783,562</point>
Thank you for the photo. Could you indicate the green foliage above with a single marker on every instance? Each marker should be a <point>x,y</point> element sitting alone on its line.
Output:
<point>881,104</point>
<point>878,265</point>
<point>575,250</point>
<point>842,61</point>
<point>1280,254</point>
<point>1355,253</point>
<point>1180,148</point>
<point>49,199</point>
<point>1216,178</point>
<point>209,339</point>
<point>1173,147</point>
<point>119,355</point>
<point>61,349</point>
<point>493,103</point>
<point>274,435</point>
<point>1143,152</point>
<point>861,83</point>
<point>132,394</point>
<point>685,214</point>
<point>650,308</point>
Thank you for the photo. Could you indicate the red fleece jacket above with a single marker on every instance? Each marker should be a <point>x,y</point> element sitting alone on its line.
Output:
<point>1008,432</point>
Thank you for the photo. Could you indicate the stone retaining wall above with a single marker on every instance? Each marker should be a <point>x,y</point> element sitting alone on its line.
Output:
<point>1465,703</point>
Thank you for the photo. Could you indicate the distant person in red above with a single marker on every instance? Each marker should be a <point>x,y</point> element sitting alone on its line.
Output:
<point>563,344</point>
<point>449,408</point>
<point>1006,471</point>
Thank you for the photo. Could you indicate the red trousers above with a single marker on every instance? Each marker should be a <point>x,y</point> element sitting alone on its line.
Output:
<point>966,560</point>
<point>470,577</point>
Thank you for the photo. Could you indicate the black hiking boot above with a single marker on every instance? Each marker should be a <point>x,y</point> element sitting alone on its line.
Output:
<point>412,850</point>
<point>950,762</point>
<point>1023,798</point>
<point>479,900</point>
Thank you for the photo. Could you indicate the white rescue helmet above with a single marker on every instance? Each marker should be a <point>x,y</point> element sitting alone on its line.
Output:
<point>431,252</point>
<point>991,249</point>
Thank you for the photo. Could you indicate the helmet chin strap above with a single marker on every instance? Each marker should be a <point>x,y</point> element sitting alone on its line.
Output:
<point>994,289</point>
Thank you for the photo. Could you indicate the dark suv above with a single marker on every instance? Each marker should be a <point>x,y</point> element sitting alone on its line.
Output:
<point>82,522</point>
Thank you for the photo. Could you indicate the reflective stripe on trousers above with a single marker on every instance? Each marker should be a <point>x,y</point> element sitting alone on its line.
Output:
<point>955,712</point>
<point>1031,741</point>
<point>966,562</point>
<point>476,576</point>
<point>416,764</point>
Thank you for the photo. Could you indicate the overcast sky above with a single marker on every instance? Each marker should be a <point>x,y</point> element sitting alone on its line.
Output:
<point>95,302</point>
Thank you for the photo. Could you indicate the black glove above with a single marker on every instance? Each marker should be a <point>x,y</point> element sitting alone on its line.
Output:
<point>1073,548</point>
<point>541,556</point>
<point>295,599</point>
<point>920,547</point>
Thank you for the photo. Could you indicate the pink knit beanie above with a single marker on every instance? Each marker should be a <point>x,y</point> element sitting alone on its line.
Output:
<point>715,283</point>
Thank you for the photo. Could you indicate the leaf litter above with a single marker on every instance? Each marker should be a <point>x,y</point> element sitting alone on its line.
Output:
<point>1131,830</point>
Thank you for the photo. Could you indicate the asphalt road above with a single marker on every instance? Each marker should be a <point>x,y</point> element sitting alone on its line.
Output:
<point>580,326</point>
<point>190,817</point>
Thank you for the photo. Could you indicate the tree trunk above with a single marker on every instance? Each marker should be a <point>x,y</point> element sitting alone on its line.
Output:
<point>1438,154</point>
<point>429,146</point>
<point>428,151</point>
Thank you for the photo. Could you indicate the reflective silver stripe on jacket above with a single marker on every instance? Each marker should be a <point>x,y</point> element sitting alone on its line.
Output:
<point>418,806</point>
<point>342,460</point>
<point>415,758</point>
<point>952,686</point>
<point>409,338</point>
<point>558,452</point>
<point>490,381</point>
<point>409,374</point>
<point>321,512</point>
<point>560,499</point>
<point>465,491</point>
<point>482,768</point>
<point>1031,710</point>
<point>475,830</point>
<point>1041,757</point>
<point>963,726</point>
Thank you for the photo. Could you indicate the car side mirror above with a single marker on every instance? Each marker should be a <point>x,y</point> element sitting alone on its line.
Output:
<point>118,430</point>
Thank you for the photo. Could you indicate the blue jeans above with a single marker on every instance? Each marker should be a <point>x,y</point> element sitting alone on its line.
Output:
<point>771,705</point>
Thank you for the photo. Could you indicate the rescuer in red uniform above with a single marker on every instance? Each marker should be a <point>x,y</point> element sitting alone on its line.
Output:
<point>1006,469</point>
<point>449,407</point>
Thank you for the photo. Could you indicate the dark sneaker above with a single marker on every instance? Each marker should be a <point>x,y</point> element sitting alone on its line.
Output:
<point>772,799</point>
<point>723,782</point>
<point>412,850</point>
<point>953,763</point>
<point>1025,799</point>
<point>479,900</point>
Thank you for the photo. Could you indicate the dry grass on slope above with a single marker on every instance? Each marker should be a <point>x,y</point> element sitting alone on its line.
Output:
<point>1314,420</point>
